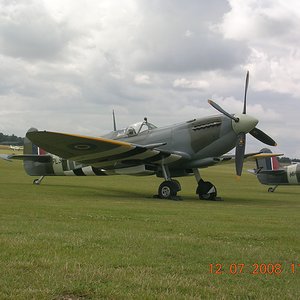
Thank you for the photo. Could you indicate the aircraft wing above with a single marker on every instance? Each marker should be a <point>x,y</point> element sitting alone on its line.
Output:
<point>226,159</point>
<point>5,157</point>
<point>99,152</point>
<point>247,156</point>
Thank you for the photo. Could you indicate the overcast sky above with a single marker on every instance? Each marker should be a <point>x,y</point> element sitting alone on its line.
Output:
<point>66,64</point>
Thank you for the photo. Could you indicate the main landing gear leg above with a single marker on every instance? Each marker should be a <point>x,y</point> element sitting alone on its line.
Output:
<point>206,190</point>
<point>38,181</point>
<point>169,188</point>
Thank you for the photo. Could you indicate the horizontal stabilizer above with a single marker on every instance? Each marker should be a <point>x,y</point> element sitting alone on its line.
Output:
<point>252,171</point>
<point>274,172</point>
<point>267,172</point>
<point>5,157</point>
<point>31,157</point>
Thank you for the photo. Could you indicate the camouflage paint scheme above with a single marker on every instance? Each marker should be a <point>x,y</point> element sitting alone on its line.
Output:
<point>140,149</point>
<point>193,144</point>
<point>143,149</point>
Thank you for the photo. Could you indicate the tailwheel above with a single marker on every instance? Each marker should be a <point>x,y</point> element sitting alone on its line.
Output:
<point>38,181</point>
<point>272,189</point>
<point>168,189</point>
<point>207,191</point>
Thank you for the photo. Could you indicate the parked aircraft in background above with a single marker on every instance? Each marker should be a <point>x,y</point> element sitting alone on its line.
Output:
<point>144,149</point>
<point>269,171</point>
<point>16,148</point>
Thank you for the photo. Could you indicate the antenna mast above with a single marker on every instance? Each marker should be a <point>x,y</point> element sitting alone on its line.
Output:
<point>114,121</point>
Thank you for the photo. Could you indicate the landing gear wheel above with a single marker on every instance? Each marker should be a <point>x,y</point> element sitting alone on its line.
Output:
<point>206,191</point>
<point>271,190</point>
<point>168,189</point>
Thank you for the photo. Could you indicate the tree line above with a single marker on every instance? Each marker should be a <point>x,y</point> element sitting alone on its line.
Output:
<point>6,139</point>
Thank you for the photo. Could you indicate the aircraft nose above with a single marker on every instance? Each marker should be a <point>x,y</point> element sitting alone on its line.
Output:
<point>245,124</point>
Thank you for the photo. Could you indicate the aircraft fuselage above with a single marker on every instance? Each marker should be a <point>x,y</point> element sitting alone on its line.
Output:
<point>289,175</point>
<point>198,139</point>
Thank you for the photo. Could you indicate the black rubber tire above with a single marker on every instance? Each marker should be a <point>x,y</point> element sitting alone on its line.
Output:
<point>167,190</point>
<point>178,185</point>
<point>204,188</point>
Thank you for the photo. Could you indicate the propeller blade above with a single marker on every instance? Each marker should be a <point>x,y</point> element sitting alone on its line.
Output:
<point>239,153</point>
<point>261,136</point>
<point>221,110</point>
<point>246,90</point>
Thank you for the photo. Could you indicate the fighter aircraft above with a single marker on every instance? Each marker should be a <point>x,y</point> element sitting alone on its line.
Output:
<point>144,149</point>
<point>269,171</point>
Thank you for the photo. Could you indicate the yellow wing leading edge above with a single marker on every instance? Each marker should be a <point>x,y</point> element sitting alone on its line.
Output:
<point>98,152</point>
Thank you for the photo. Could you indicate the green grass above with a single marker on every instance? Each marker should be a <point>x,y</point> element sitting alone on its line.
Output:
<point>106,237</point>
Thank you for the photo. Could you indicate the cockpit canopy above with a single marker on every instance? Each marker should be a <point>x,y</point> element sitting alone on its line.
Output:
<point>136,129</point>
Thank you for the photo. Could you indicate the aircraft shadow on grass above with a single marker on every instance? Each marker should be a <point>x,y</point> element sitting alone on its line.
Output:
<point>91,192</point>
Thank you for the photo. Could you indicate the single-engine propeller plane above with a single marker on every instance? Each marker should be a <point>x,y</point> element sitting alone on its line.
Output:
<point>16,148</point>
<point>144,149</point>
<point>269,172</point>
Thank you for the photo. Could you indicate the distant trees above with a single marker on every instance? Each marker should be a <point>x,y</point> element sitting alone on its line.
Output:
<point>287,160</point>
<point>296,160</point>
<point>6,139</point>
<point>284,160</point>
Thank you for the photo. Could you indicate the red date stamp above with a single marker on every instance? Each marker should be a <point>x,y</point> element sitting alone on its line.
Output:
<point>254,269</point>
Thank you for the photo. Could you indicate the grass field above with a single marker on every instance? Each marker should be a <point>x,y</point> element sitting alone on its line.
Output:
<point>107,238</point>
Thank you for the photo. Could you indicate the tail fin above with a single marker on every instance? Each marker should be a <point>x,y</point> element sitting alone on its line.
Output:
<point>267,163</point>
<point>30,148</point>
<point>35,167</point>
<point>268,169</point>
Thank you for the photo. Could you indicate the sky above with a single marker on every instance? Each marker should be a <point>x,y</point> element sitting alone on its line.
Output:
<point>65,64</point>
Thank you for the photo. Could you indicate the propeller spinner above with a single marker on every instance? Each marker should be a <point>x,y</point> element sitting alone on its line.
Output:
<point>243,124</point>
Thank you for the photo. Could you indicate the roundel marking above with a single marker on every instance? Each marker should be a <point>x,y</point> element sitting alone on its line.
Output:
<point>83,146</point>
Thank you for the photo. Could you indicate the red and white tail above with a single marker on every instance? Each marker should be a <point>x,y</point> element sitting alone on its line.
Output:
<point>267,163</point>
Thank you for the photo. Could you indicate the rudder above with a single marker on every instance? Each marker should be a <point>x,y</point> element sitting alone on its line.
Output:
<point>267,163</point>
<point>35,168</point>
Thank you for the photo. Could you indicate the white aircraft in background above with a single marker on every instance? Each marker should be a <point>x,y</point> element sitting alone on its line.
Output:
<point>16,148</point>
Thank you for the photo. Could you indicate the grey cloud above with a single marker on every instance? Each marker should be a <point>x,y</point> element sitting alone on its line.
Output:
<point>68,77</point>
<point>192,10</point>
<point>165,46</point>
<point>188,55</point>
<point>30,33</point>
